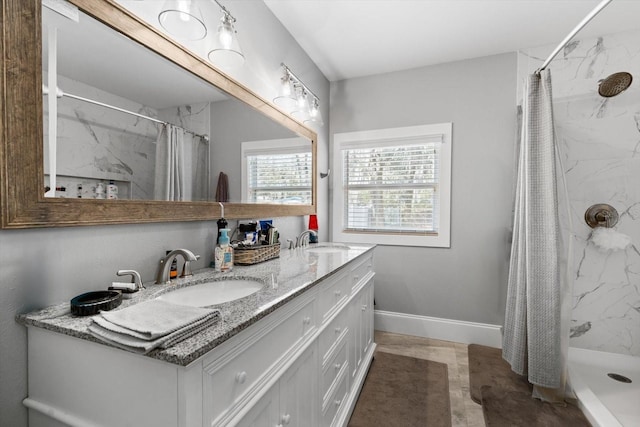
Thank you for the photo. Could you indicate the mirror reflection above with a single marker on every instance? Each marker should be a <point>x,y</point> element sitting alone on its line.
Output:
<point>124,123</point>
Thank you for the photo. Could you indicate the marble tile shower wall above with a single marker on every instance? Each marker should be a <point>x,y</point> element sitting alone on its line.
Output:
<point>600,144</point>
<point>88,147</point>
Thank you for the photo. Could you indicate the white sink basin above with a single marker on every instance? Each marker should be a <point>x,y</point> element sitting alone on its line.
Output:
<point>212,293</point>
<point>327,249</point>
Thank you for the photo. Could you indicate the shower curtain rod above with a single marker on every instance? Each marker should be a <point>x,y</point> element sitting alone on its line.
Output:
<point>60,94</point>
<point>575,31</point>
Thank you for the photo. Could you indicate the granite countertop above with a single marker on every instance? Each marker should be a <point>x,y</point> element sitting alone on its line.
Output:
<point>286,277</point>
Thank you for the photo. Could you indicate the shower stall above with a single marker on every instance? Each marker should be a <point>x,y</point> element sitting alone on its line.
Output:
<point>596,103</point>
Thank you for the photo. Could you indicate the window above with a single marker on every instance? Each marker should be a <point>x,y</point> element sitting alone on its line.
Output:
<point>392,186</point>
<point>277,171</point>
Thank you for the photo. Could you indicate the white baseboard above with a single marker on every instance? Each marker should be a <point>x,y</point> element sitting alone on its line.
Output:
<point>440,329</point>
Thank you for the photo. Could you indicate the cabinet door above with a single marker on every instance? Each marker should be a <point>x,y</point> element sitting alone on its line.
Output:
<point>366,310</point>
<point>361,314</point>
<point>265,413</point>
<point>299,391</point>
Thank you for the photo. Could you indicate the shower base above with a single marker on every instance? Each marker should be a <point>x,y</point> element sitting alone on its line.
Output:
<point>606,400</point>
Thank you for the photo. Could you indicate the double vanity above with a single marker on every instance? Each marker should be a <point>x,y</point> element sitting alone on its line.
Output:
<point>295,337</point>
<point>292,349</point>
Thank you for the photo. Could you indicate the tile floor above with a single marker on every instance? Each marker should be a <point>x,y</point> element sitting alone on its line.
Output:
<point>464,411</point>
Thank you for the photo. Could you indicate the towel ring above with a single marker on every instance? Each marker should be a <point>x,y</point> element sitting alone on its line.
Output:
<point>601,215</point>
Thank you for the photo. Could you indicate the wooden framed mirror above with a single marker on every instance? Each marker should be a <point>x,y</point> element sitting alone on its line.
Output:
<point>21,124</point>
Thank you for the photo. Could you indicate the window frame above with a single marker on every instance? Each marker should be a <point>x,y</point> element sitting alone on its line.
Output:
<point>378,137</point>
<point>269,147</point>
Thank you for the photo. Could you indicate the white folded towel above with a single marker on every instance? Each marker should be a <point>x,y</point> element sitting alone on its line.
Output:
<point>151,324</point>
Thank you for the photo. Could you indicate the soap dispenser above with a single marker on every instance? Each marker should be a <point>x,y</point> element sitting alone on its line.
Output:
<point>223,253</point>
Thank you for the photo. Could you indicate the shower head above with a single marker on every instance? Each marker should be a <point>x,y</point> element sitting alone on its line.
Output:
<point>615,84</point>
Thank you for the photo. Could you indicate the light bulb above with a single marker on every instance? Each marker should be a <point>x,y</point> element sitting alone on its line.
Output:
<point>313,111</point>
<point>302,99</point>
<point>183,8</point>
<point>286,86</point>
<point>225,33</point>
<point>286,98</point>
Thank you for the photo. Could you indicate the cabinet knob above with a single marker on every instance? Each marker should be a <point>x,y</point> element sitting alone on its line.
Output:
<point>306,320</point>
<point>241,377</point>
<point>286,419</point>
<point>337,402</point>
<point>356,278</point>
<point>337,366</point>
<point>364,307</point>
<point>338,330</point>
<point>338,293</point>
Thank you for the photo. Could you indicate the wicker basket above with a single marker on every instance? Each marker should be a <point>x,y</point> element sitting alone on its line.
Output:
<point>254,254</point>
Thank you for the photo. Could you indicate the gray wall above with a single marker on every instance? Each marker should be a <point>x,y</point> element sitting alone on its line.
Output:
<point>48,266</point>
<point>468,281</point>
<point>234,123</point>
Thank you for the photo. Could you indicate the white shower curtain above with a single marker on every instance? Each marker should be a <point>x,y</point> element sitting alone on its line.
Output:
<point>181,165</point>
<point>535,341</point>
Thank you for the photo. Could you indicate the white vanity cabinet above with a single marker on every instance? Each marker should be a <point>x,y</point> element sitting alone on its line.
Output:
<point>301,365</point>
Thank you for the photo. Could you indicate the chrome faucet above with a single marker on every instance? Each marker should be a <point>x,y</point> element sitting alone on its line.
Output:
<point>303,239</point>
<point>162,276</point>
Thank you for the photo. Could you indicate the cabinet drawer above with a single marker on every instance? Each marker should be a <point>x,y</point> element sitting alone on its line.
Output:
<point>360,270</point>
<point>332,404</point>
<point>332,333</point>
<point>333,367</point>
<point>333,292</point>
<point>227,377</point>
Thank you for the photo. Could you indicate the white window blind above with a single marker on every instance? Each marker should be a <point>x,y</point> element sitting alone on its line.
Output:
<point>392,187</point>
<point>278,174</point>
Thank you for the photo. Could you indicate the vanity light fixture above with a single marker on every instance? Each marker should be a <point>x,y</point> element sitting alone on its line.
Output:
<point>225,50</point>
<point>295,98</point>
<point>183,19</point>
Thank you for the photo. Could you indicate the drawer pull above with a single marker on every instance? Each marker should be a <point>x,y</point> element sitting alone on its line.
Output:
<point>364,307</point>
<point>241,377</point>
<point>337,402</point>
<point>306,320</point>
<point>337,366</point>
<point>338,293</point>
<point>286,419</point>
<point>338,330</point>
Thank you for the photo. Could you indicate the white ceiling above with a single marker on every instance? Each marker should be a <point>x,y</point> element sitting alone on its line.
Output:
<point>352,38</point>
